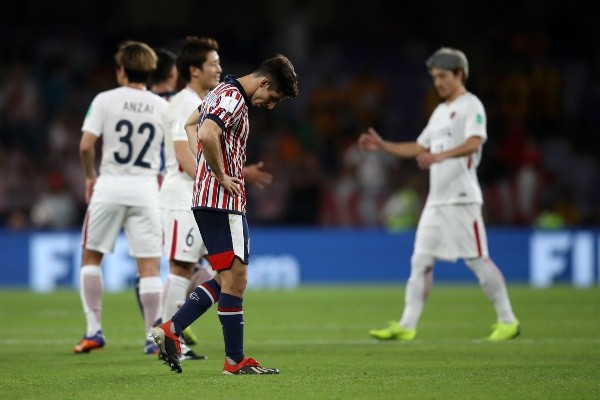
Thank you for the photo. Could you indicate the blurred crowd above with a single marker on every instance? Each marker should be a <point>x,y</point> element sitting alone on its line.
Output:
<point>540,164</point>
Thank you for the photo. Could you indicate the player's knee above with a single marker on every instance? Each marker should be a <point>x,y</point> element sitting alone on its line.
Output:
<point>421,263</point>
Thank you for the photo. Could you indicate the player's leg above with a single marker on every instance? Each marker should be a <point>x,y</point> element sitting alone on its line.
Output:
<point>99,233</point>
<point>136,289</point>
<point>184,247</point>
<point>419,283</point>
<point>473,246</point>
<point>493,284</point>
<point>143,230</point>
<point>90,291</point>
<point>417,290</point>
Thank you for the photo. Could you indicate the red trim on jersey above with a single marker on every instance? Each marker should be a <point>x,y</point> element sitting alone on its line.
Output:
<point>174,241</point>
<point>221,261</point>
<point>477,239</point>
<point>469,161</point>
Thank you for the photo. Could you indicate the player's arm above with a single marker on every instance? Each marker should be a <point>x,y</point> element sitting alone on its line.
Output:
<point>87,156</point>
<point>185,157</point>
<point>209,137</point>
<point>471,145</point>
<point>191,129</point>
<point>253,173</point>
<point>371,141</point>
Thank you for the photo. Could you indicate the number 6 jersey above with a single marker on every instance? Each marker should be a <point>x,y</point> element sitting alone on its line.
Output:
<point>131,123</point>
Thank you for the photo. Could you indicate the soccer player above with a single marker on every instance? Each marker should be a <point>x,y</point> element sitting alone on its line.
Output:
<point>163,82</point>
<point>219,129</point>
<point>199,65</point>
<point>125,194</point>
<point>451,224</point>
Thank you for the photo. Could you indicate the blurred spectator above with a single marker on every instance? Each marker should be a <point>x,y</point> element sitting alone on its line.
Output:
<point>55,208</point>
<point>403,207</point>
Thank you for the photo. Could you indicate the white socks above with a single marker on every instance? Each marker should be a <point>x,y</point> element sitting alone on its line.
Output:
<point>494,286</point>
<point>417,289</point>
<point>90,291</point>
<point>151,290</point>
<point>174,295</point>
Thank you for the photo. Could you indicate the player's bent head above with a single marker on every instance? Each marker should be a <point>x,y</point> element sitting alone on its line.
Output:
<point>449,59</point>
<point>281,73</point>
<point>137,59</point>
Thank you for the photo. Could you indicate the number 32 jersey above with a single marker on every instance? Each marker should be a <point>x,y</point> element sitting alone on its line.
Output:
<point>131,123</point>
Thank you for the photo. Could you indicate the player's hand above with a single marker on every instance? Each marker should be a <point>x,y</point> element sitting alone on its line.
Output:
<point>89,188</point>
<point>254,173</point>
<point>427,159</point>
<point>231,184</point>
<point>370,140</point>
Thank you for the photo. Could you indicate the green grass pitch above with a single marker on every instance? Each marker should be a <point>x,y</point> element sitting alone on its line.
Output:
<point>317,337</point>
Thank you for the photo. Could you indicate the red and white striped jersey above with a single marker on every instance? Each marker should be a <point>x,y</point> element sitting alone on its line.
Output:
<point>226,105</point>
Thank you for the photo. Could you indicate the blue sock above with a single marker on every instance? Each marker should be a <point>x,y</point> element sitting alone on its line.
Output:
<point>231,315</point>
<point>200,300</point>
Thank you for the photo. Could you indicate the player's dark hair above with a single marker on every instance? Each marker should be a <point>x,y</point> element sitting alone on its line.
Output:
<point>193,53</point>
<point>166,62</point>
<point>281,71</point>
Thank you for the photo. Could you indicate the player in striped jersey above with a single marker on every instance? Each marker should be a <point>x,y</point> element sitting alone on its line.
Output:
<point>130,120</point>
<point>451,225</point>
<point>199,66</point>
<point>219,129</point>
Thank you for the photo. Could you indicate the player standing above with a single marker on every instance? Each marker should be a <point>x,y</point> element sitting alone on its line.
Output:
<point>199,65</point>
<point>451,224</point>
<point>125,193</point>
<point>219,205</point>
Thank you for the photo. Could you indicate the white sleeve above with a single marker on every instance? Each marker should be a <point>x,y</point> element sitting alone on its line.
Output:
<point>93,122</point>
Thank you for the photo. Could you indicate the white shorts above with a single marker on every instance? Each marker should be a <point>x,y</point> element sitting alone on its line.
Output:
<point>103,223</point>
<point>182,236</point>
<point>451,232</point>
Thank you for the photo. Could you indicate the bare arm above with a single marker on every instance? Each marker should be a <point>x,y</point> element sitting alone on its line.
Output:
<point>209,135</point>
<point>87,156</point>
<point>471,145</point>
<point>371,141</point>
<point>254,173</point>
<point>185,157</point>
<point>191,129</point>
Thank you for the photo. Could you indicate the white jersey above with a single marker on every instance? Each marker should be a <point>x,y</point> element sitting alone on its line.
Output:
<point>131,124</point>
<point>177,187</point>
<point>454,180</point>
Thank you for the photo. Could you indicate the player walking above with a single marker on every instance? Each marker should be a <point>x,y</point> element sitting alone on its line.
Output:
<point>451,225</point>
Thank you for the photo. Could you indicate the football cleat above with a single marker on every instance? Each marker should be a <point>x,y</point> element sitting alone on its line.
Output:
<point>393,332</point>
<point>89,343</point>
<point>502,331</point>
<point>248,366</point>
<point>189,336</point>
<point>169,345</point>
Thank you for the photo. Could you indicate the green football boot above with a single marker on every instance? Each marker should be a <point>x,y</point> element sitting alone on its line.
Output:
<point>502,331</point>
<point>393,332</point>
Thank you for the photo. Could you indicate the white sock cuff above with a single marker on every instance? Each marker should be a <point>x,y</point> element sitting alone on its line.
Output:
<point>179,280</point>
<point>91,270</point>
<point>151,284</point>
